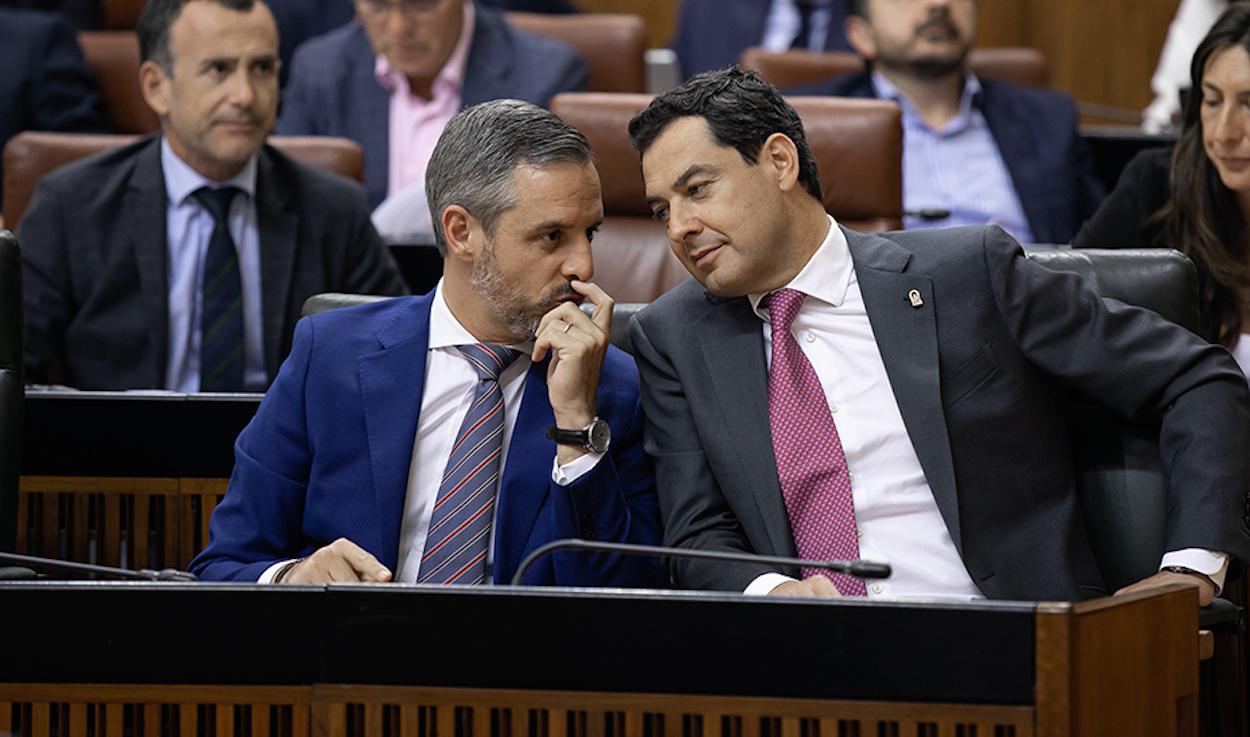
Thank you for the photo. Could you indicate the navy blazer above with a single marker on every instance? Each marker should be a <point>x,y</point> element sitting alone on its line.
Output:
<point>1036,132</point>
<point>329,452</point>
<point>94,262</point>
<point>981,373</point>
<point>45,84</point>
<point>712,34</point>
<point>333,90</point>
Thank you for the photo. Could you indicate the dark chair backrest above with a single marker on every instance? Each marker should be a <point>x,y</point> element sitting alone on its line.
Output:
<point>1121,482</point>
<point>30,155</point>
<point>1119,478</point>
<point>113,57</point>
<point>785,69</point>
<point>12,389</point>
<point>121,15</point>
<point>613,45</point>
<point>858,145</point>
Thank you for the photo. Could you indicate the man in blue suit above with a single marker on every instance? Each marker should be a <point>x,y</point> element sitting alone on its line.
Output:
<point>712,34</point>
<point>440,439</point>
<point>393,78</point>
<point>975,151</point>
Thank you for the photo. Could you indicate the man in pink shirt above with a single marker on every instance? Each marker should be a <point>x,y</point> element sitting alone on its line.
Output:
<point>392,79</point>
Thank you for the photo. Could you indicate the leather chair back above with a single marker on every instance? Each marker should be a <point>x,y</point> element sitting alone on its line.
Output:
<point>1120,480</point>
<point>858,145</point>
<point>786,69</point>
<point>113,57</point>
<point>30,155</point>
<point>613,45</point>
<point>121,15</point>
<point>12,386</point>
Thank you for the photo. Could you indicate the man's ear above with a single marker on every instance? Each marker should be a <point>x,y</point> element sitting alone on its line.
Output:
<point>781,156</point>
<point>462,232</point>
<point>859,35</point>
<point>154,84</point>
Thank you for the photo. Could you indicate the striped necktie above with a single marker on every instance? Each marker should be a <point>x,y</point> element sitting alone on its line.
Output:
<point>221,299</point>
<point>811,465</point>
<point>459,535</point>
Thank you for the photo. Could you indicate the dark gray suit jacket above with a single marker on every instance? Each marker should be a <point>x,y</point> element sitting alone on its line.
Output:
<point>980,373</point>
<point>333,90</point>
<point>95,263</point>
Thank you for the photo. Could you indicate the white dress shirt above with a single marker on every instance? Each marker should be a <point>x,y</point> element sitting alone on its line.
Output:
<point>189,228</point>
<point>449,385</point>
<point>896,515</point>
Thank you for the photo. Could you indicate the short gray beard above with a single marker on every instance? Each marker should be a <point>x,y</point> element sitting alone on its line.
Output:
<point>518,311</point>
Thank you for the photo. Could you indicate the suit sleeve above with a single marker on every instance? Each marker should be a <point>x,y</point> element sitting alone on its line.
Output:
<point>63,92</point>
<point>258,523</point>
<point>613,502</point>
<point>572,74</point>
<point>695,513</point>
<point>47,292</point>
<point>1142,366</point>
<point>299,100</point>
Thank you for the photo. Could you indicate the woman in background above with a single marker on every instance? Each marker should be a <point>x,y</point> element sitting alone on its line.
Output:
<point>1197,197</point>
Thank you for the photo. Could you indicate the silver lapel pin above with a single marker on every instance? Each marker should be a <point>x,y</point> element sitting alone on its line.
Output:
<point>916,300</point>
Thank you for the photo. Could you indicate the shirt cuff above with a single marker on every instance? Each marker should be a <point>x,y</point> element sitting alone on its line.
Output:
<point>574,469</point>
<point>1211,563</point>
<point>765,583</point>
<point>273,570</point>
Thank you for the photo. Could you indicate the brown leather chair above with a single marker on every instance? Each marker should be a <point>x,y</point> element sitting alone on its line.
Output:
<point>114,60</point>
<point>613,45</point>
<point>858,145</point>
<point>121,15</point>
<point>791,68</point>
<point>30,155</point>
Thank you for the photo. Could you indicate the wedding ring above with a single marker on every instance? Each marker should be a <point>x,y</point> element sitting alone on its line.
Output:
<point>567,325</point>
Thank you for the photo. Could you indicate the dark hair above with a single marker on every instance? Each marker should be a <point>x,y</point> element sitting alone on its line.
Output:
<point>857,7</point>
<point>1201,217</point>
<point>155,21</point>
<point>740,108</point>
<point>474,158</point>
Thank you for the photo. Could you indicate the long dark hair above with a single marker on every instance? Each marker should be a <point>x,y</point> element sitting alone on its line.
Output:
<point>1202,217</point>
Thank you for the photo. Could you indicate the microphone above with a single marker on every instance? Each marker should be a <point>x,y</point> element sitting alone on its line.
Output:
<point>856,568</point>
<point>143,574</point>
<point>928,213</point>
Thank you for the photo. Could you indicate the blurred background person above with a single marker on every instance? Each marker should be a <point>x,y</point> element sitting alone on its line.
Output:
<point>1171,78</point>
<point>1196,198</point>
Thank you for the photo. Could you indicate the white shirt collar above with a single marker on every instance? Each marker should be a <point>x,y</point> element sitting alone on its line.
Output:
<point>447,332</point>
<point>181,180</point>
<point>826,275</point>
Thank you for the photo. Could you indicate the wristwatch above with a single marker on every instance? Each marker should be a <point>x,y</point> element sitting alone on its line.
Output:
<point>595,437</point>
<point>1190,572</point>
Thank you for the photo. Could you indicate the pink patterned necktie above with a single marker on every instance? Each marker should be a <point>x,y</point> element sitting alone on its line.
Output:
<point>811,465</point>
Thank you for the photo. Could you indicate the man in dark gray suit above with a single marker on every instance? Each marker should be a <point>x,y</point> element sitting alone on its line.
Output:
<point>181,262</point>
<point>832,394</point>
<point>393,78</point>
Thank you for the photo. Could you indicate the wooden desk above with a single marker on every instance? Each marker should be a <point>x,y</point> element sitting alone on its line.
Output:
<point>199,659</point>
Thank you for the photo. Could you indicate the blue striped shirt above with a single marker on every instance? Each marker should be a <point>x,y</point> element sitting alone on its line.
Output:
<point>957,168</point>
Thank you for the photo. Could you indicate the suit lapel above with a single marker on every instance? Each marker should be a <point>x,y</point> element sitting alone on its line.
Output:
<point>145,206</point>
<point>1012,133</point>
<point>279,225</point>
<point>524,487</point>
<point>907,339</point>
<point>732,342</point>
<point>392,382</point>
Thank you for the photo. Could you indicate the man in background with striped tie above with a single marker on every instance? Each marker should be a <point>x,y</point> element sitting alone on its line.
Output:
<point>440,439</point>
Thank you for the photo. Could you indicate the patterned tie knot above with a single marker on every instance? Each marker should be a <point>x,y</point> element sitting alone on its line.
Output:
<point>216,201</point>
<point>783,306</point>
<point>488,359</point>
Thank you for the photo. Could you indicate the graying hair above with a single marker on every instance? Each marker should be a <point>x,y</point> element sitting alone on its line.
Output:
<point>472,163</point>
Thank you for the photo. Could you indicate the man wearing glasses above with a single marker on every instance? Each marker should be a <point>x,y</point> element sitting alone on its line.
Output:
<point>392,80</point>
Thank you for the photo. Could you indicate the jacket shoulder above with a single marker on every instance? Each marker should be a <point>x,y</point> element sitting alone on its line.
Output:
<point>99,172</point>
<point>1036,101</point>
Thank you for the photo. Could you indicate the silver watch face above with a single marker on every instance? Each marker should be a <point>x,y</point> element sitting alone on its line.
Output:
<point>598,436</point>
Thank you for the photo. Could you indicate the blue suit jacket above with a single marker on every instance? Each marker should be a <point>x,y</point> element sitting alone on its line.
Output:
<point>1036,133</point>
<point>712,34</point>
<point>329,451</point>
<point>333,91</point>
